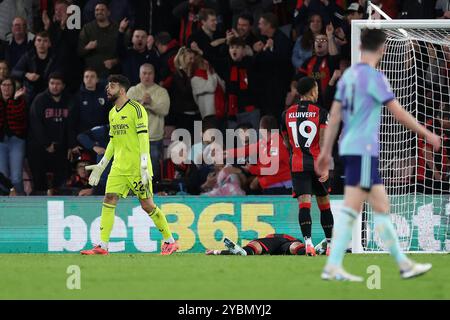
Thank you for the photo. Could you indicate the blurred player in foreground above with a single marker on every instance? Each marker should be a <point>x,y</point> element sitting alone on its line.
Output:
<point>360,94</point>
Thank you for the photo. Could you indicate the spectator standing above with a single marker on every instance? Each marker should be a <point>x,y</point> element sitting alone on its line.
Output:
<point>14,8</point>
<point>19,41</point>
<point>119,9</point>
<point>240,85</point>
<point>442,9</point>
<point>64,43</point>
<point>97,43</point>
<point>304,45</point>
<point>167,50</point>
<point>273,62</point>
<point>131,58</point>
<point>322,64</point>
<point>187,12</point>
<point>35,66</point>
<point>13,128</point>
<point>184,110</point>
<point>208,89</point>
<point>327,9</point>
<point>155,100</point>
<point>244,29</point>
<point>209,42</point>
<point>90,109</point>
<point>48,136</point>
<point>4,70</point>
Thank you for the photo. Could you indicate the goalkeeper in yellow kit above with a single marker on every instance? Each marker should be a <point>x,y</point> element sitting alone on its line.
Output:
<point>131,168</point>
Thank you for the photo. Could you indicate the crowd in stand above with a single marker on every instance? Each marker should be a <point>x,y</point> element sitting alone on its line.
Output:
<point>229,64</point>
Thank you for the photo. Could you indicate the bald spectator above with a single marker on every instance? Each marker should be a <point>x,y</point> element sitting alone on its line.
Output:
<point>19,41</point>
<point>97,43</point>
<point>156,101</point>
<point>9,9</point>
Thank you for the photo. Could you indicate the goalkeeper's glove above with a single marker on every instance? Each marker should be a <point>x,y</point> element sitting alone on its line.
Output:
<point>97,170</point>
<point>145,175</point>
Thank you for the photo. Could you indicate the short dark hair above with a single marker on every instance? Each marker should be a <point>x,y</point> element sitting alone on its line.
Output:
<point>372,39</point>
<point>103,2</point>
<point>271,19</point>
<point>305,84</point>
<point>43,34</point>
<point>90,69</point>
<point>237,41</point>
<point>245,126</point>
<point>247,16</point>
<point>205,12</point>
<point>56,75</point>
<point>163,38</point>
<point>121,80</point>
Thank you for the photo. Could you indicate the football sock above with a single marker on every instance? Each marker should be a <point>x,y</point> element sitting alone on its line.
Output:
<point>304,219</point>
<point>160,221</point>
<point>385,228</point>
<point>249,250</point>
<point>326,220</point>
<point>341,236</point>
<point>106,223</point>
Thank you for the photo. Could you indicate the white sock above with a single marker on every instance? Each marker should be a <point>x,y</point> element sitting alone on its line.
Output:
<point>103,245</point>
<point>308,241</point>
<point>169,240</point>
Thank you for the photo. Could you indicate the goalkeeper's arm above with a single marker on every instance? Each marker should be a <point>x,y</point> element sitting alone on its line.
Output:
<point>97,169</point>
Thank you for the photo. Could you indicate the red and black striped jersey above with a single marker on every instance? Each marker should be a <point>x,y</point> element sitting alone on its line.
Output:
<point>303,122</point>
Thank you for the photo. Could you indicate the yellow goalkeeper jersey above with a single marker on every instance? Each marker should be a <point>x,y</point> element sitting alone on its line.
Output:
<point>125,126</point>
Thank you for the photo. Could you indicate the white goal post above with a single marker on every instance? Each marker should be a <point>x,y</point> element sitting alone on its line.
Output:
<point>417,63</point>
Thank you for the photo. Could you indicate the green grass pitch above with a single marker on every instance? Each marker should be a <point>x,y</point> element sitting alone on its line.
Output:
<point>196,276</point>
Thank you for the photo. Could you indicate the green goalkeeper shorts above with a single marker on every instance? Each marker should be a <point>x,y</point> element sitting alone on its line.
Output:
<point>121,185</point>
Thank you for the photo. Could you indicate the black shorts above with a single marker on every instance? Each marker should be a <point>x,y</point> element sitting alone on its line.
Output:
<point>273,246</point>
<point>307,182</point>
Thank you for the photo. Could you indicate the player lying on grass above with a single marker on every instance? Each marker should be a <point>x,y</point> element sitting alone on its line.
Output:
<point>272,244</point>
<point>131,168</point>
<point>360,95</point>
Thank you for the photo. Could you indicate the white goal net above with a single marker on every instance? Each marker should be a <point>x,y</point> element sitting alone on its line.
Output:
<point>417,64</point>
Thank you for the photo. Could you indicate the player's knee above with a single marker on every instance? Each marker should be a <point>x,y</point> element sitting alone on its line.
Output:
<point>323,200</point>
<point>304,198</point>
<point>148,206</point>
<point>111,198</point>
<point>296,247</point>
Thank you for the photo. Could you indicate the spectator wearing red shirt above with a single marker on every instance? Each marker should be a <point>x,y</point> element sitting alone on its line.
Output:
<point>273,155</point>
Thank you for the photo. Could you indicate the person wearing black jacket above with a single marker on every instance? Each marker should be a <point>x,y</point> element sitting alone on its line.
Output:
<point>90,108</point>
<point>48,135</point>
<point>35,66</point>
<point>209,42</point>
<point>64,43</point>
<point>273,62</point>
<point>132,58</point>
<point>240,84</point>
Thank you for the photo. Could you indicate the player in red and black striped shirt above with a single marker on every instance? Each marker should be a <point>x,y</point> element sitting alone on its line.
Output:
<point>304,124</point>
